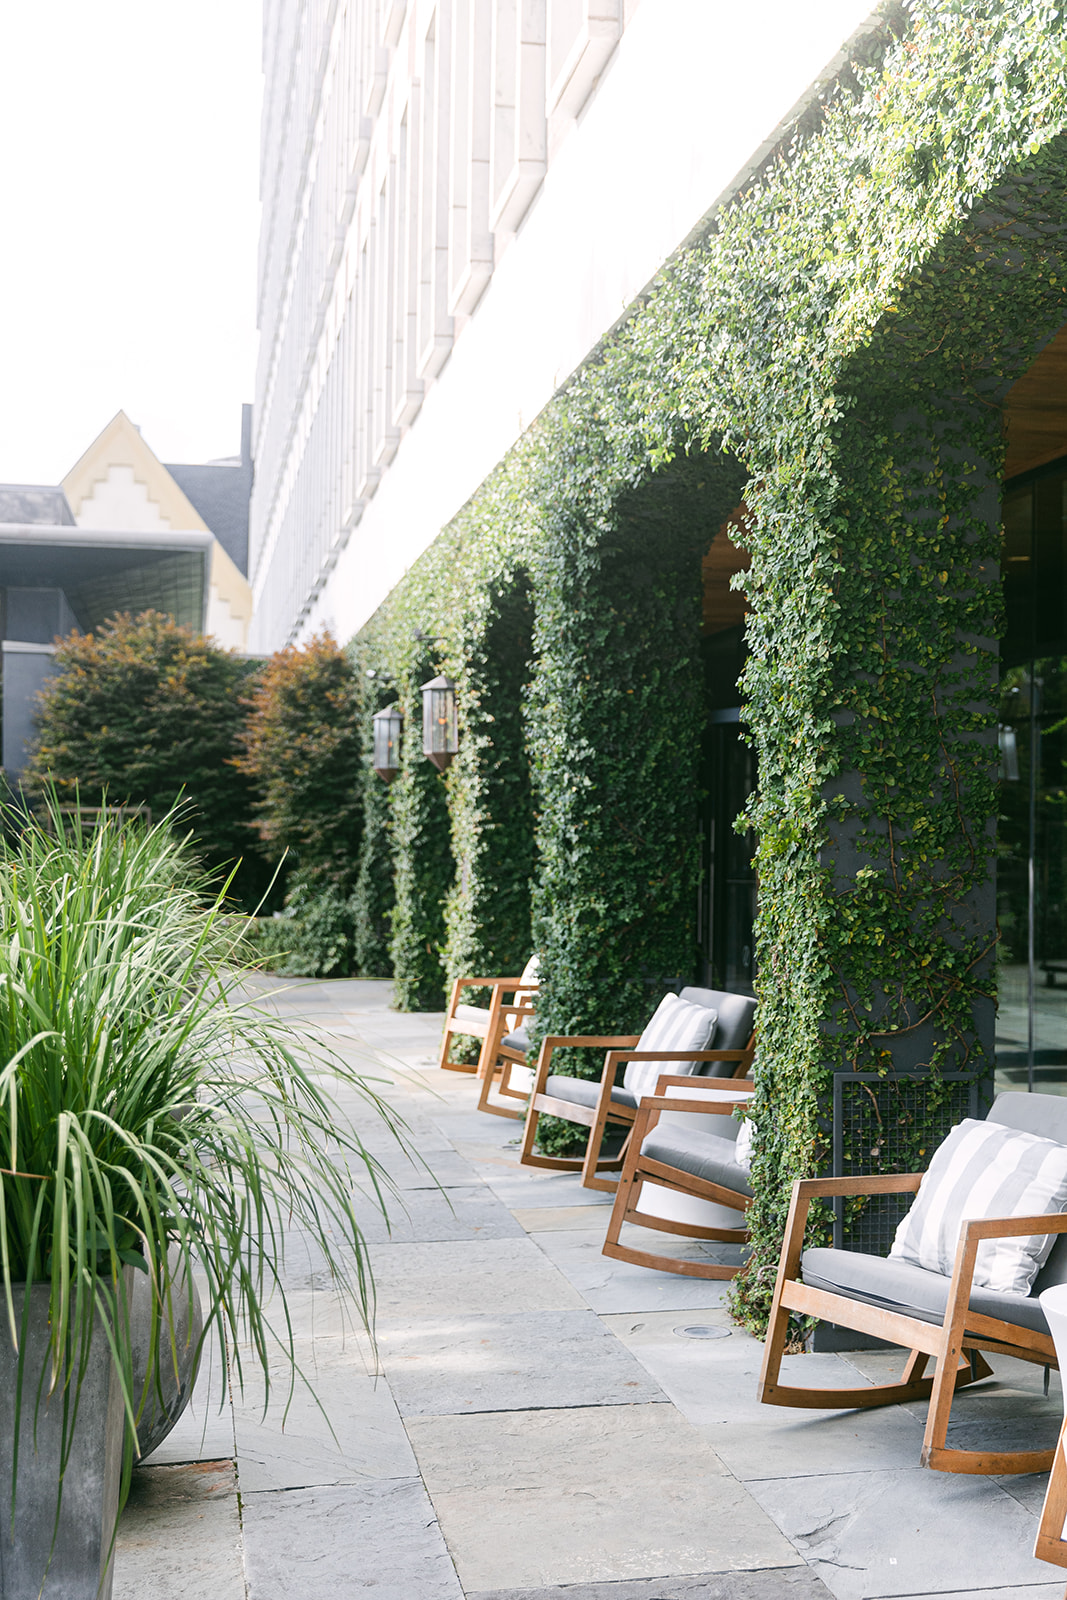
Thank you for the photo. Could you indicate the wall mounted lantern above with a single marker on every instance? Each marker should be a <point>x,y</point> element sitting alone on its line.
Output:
<point>387,726</point>
<point>440,730</point>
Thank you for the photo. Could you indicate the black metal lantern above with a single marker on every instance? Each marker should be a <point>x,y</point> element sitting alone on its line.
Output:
<point>387,725</point>
<point>440,730</point>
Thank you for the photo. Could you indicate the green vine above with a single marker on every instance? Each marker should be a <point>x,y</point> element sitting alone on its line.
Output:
<point>843,339</point>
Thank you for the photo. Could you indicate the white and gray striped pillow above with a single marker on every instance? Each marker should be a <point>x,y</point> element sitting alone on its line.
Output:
<point>984,1169</point>
<point>676,1024</point>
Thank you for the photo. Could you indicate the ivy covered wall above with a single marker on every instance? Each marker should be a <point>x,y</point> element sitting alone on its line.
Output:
<point>846,333</point>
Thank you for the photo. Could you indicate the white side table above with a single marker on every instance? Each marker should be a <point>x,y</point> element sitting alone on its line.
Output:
<point>1051,1544</point>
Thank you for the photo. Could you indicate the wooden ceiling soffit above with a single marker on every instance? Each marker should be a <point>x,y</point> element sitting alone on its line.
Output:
<point>725,607</point>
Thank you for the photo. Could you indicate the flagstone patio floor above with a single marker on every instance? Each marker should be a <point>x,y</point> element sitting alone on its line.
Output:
<point>540,1422</point>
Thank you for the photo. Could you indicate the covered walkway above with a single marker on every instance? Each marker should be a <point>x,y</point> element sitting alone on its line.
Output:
<point>545,1422</point>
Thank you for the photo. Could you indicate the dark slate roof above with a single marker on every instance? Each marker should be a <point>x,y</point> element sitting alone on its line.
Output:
<point>220,492</point>
<point>37,503</point>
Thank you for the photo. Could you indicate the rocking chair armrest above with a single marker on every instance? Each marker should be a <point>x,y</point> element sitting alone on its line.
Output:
<point>971,1235</point>
<point>608,1040</point>
<point>805,1190</point>
<point>690,1080</point>
<point>706,1107</point>
<point>1013,1227</point>
<point>861,1183</point>
<point>490,983</point>
<point>553,1041</point>
<point>616,1058</point>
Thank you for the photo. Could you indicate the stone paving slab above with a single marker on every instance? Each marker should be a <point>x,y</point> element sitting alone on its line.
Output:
<point>439,1169</point>
<point>180,1535</point>
<point>608,1285</point>
<point>553,1219</point>
<point>428,1216</point>
<point>525,1361</point>
<point>792,1583</point>
<point>713,1383</point>
<point>876,1535</point>
<point>340,1543</point>
<point>479,1277</point>
<point>520,1187</point>
<point>554,1497</point>
<point>340,1426</point>
<point>1026,1591</point>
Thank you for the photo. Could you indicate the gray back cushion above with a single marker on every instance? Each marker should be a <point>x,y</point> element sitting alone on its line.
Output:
<point>1045,1115</point>
<point>737,1018</point>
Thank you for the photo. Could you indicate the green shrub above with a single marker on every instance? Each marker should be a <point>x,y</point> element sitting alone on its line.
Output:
<point>142,711</point>
<point>301,747</point>
<point>313,936</point>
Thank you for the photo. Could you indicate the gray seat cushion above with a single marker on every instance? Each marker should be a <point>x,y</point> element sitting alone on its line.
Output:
<point>519,1040</point>
<point>896,1285</point>
<point>737,1018</point>
<point>702,1155</point>
<point>585,1091</point>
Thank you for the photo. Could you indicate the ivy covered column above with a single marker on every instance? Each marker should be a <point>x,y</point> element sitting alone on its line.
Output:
<point>871,695</point>
<point>491,804</point>
<point>374,896</point>
<point>616,719</point>
<point>423,862</point>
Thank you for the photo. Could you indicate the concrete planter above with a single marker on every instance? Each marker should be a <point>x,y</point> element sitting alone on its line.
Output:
<point>80,1567</point>
<point>171,1389</point>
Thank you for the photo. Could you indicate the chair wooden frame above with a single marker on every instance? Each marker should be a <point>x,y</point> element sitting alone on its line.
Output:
<point>955,1344</point>
<point>620,1050</point>
<point>639,1169</point>
<point>499,1060</point>
<point>490,1030</point>
<point>1050,1544</point>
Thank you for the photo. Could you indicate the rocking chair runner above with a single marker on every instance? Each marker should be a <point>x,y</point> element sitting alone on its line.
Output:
<point>930,1314</point>
<point>593,1105</point>
<point>686,1161</point>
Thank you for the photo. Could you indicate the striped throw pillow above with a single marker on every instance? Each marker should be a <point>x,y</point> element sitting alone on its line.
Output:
<point>677,1024</point>
<point>984,1169</point>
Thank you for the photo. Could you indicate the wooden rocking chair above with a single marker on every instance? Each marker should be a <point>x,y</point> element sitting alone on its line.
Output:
<point>945,1318</point>
<point>594,1104</point>
<point>487,1023</point>
<point>507,1073</point>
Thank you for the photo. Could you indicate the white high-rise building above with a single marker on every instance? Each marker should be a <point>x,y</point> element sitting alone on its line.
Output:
<point>460,198</point>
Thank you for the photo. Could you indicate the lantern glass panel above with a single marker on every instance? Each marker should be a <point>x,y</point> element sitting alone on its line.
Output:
<point>387,726</point>
<point>440,731</point>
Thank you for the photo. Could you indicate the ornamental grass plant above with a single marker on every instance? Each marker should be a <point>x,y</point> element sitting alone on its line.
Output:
<point>153,1120</point>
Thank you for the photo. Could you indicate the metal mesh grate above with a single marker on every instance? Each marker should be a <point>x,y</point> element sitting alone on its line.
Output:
<point>891,1124</point>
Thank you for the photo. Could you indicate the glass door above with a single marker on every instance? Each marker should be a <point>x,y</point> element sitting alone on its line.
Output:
<point>1032,829</point>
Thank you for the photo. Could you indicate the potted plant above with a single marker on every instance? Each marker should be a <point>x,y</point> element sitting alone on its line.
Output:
<point>155,1128</point>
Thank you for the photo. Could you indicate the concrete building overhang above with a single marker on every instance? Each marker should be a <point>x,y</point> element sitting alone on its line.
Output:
<point>103,572</point>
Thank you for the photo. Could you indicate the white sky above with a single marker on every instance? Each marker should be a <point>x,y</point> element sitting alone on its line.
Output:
<point>129,211</point>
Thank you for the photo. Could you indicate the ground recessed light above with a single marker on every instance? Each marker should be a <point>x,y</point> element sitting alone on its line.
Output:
<point>702,1331</point>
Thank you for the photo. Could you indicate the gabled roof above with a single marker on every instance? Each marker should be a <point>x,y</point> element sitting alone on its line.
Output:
<point>120,445</point>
